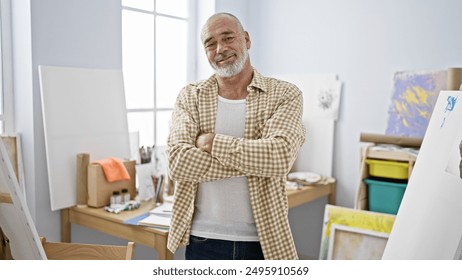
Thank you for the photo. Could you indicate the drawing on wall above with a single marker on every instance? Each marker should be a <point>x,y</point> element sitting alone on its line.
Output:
<point>413,98</point>
<point>454,165</point>
<point>350,243</point>
<point>327,100</point>
<point>316,154</point>
<point>360,219</point>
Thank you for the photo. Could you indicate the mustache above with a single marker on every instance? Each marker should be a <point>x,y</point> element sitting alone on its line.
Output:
<point>224,55</point>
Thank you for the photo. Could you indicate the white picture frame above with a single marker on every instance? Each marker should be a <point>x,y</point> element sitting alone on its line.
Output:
<point>351,243</point>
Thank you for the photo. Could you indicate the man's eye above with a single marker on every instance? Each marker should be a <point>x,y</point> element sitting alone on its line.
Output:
<point>210,45</point>
<point>229,39</point>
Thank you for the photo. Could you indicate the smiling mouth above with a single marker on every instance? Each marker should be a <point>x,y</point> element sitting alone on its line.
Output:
<point>225,59</point>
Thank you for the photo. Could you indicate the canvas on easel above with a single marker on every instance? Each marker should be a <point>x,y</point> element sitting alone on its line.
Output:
<point>428,224</point>
<point>15,219</point>
<point>84,111</point>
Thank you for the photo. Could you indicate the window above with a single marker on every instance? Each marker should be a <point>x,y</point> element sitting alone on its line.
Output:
<point>6,78</point>
<point>155,54</point>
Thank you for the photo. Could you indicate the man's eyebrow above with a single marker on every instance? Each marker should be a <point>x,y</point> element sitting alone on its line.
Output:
<point>221,34</point>
<point>207,40</point>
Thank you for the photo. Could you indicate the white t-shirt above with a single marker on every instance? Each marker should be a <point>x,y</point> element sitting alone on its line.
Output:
<point>222,207</point>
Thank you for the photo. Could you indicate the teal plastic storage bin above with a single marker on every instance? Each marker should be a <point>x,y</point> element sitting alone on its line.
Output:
<point>385,197</point>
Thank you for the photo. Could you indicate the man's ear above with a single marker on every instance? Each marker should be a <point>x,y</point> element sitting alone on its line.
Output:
<point>248,43</point>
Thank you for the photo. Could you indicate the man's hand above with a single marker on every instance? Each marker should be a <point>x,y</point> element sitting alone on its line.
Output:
<point>205,141</point>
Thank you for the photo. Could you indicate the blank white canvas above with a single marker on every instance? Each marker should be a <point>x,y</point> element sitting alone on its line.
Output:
<point>316,154</point>
<point>428,224</point>
<point>84,111</point>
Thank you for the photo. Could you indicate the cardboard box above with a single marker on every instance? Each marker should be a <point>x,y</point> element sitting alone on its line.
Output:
<point>99,190</point>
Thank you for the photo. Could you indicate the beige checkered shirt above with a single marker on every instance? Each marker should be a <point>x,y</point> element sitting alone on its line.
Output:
<point>273,135</point>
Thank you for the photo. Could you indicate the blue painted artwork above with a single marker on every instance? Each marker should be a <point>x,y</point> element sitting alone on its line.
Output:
<point>413,99</point>
<point>450,105</point>
<point>452,100</point>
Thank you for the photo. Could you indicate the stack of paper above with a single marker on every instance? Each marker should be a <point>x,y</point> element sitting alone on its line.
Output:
<point>159,216</point>
<point>164,210</point>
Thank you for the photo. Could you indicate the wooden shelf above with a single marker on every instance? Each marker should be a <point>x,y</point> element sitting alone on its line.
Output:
<point>368,152</point>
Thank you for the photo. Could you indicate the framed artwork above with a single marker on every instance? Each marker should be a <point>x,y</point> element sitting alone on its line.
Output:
<point>351,243</point>
<point>360,219</point>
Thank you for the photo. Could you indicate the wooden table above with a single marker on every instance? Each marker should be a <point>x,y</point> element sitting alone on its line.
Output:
<point>113,224</point>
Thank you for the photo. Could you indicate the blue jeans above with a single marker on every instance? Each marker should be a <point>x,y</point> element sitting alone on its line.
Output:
<point>200,248</point>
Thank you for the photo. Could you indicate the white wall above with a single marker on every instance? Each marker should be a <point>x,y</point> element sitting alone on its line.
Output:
<point>364,42</point>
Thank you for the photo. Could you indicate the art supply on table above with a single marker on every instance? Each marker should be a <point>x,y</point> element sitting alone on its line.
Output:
<point>116,198</point>
<point>146,154</point>
<point>125,195</point>
<point>159,190</point>
<point>117,208</point>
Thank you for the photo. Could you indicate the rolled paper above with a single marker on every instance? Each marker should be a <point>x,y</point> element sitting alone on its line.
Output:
<point>454,78</point>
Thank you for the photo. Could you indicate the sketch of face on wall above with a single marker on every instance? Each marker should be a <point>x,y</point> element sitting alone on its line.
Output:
<point>454,166</point>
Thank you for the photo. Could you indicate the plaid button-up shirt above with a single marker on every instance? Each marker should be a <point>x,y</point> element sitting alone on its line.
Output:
<point>273,135</point>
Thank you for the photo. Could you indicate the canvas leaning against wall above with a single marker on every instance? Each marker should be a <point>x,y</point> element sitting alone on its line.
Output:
<point>368,223</point>
<point>413,98</point>
<point>428,224</point>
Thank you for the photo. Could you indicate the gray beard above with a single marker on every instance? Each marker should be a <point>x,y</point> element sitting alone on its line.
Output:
<point>232,69</point>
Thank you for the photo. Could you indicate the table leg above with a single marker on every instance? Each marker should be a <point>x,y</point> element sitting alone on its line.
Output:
<point>332,194</point>
<point>65,226</point>
<point>164,253</point>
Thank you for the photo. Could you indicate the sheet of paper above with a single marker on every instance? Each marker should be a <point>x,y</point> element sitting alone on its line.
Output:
<point>165,209</point>
<point>155,221</point>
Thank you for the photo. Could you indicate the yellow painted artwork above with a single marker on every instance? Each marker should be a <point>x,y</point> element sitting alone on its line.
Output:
<point>361,219</point>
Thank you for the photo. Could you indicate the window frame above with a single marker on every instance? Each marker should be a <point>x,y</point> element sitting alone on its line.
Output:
<point>6,69</point>
<point>190,63</point>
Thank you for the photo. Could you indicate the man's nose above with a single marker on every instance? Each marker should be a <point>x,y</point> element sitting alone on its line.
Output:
<point>221,47</point>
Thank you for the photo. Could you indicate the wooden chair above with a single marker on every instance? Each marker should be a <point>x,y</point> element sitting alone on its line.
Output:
<point>79,251</point>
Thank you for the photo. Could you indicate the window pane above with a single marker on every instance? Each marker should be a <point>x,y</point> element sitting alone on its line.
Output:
<point>138,59</point>
<point>1,74</point>
<point>164,119</point>
<point>171,60</point>
<point>147,5</point>
<point>177,8</point>
<point>143,122</point>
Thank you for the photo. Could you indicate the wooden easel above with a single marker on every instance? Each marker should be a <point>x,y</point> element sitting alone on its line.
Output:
<point>13,146</point>
<point>19,224</point>
<point>20,237</point>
